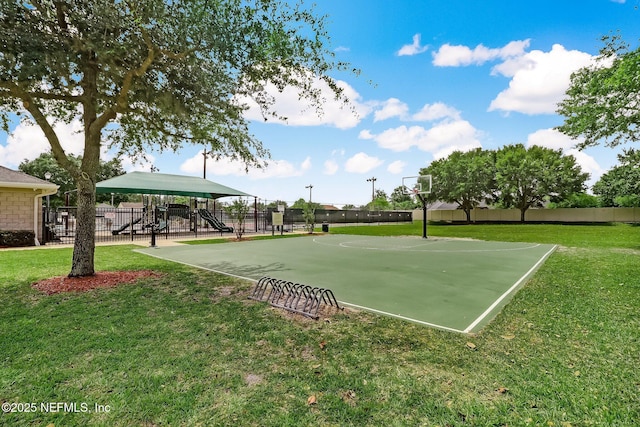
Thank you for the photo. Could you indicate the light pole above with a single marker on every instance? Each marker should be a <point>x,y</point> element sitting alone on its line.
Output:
<point>309,187</point>
<point>204,172</point>
<point>373,180</point>
<point>47,176</point>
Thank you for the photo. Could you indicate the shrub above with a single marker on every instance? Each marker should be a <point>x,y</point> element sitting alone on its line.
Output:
<point>17,238</point>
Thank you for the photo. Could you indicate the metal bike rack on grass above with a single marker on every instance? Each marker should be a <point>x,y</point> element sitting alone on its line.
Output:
<point>295,297</point>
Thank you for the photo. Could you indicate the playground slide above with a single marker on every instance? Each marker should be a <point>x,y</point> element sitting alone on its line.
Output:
<point>125,226</point>
<point>213,221</point>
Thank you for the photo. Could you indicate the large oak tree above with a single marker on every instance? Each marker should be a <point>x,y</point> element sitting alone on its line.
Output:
<point>465,178</point>
<point>528,177</point>
<point>153,73</point>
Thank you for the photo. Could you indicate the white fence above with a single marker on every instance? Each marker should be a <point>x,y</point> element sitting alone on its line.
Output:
<point>566,215</point>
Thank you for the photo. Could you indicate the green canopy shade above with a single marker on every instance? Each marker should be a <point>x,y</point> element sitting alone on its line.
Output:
<point>166,184</point>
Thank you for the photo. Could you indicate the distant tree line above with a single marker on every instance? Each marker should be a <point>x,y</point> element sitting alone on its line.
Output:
<point>511,177</point>
<point>519,177</point>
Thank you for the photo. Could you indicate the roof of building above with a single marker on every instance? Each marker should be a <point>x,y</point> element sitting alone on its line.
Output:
<point>329,208</point>
<point>10,178</point>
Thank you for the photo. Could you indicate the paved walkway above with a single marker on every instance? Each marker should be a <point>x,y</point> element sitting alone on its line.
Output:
<point>161,241</point>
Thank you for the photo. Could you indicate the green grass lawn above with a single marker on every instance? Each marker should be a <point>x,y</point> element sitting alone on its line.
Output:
<point>190,349</point>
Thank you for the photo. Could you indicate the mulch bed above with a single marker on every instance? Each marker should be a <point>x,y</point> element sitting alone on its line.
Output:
<point>102,279</point>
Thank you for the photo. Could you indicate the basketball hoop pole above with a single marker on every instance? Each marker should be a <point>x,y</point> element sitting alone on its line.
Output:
<point>418,186</point>
<point>424,215</point>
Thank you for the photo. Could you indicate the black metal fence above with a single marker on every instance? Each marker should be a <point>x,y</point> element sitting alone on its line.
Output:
<point>129,224</point>
<point>295,217</point>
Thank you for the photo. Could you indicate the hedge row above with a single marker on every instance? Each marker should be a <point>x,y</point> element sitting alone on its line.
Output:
<point>16,238</point>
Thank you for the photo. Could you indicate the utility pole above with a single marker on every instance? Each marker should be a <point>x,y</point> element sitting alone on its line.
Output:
<point>373,180</point>
<point>204,172</point>
<point>309,187</point>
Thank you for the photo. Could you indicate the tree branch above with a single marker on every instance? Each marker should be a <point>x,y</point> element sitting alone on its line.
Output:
<point>122,103</point>
<point>58,152</point>
<point>52,96</point>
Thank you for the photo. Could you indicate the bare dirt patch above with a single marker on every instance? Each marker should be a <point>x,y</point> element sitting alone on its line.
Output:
<point>102,279</point>
<point>253,379</point>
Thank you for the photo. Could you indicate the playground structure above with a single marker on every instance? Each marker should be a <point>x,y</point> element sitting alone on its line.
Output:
<point>116,224</point>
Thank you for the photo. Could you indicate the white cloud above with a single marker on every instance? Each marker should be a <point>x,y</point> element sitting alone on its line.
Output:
<point>362,163</point>
<point>365,134</point>
<point>413,48</point>
<point>539,80</point>
<point>28,142</point>
<point>228,166</point>
<point>306,164</point>
<point>446,136</point>
<point>129,165</point>
<point>330,167</point>
<point>396,167</point>
<point>551,138</point>
<point>280,169</point>
<point>455,56</point>
<point>437,111</point>
<point>392,107</point>
<point>588,164</point>
<point>299,112</point>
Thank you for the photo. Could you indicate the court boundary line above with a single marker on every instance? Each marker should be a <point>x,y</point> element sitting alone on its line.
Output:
<point>409,319</point>
<point>488,311</point>
<point>397,316</point>
<point>346,245</point>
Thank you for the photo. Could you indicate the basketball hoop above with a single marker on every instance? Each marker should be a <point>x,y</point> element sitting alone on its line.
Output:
<point>419,187</point>
<point>416,185</point>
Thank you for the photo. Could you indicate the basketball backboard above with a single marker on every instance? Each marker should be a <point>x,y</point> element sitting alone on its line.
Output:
<point>414,185</point>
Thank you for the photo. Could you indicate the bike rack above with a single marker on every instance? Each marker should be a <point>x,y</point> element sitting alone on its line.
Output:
<point>295,297</point>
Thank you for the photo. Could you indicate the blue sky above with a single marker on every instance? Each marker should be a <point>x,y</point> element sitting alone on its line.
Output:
<point>437,76</point>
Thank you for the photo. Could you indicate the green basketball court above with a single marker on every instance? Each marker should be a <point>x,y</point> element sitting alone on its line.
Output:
<point>452,284</point>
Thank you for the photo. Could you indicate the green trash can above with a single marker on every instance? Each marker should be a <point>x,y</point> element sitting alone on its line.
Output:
<point>325,227</point>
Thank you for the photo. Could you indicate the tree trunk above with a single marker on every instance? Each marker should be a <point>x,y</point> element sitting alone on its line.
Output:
<point>522,212</point>
<point>84,246</point>
<point>467,211</point>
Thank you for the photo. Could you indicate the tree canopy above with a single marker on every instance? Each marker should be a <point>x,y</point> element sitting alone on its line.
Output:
<point>603,100</point>
<point>399,199</point>
<point>465,178</point>
<point>528,177</point>
<point>512,177</point>
<point>620,186</point>
<point>154,73</point>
